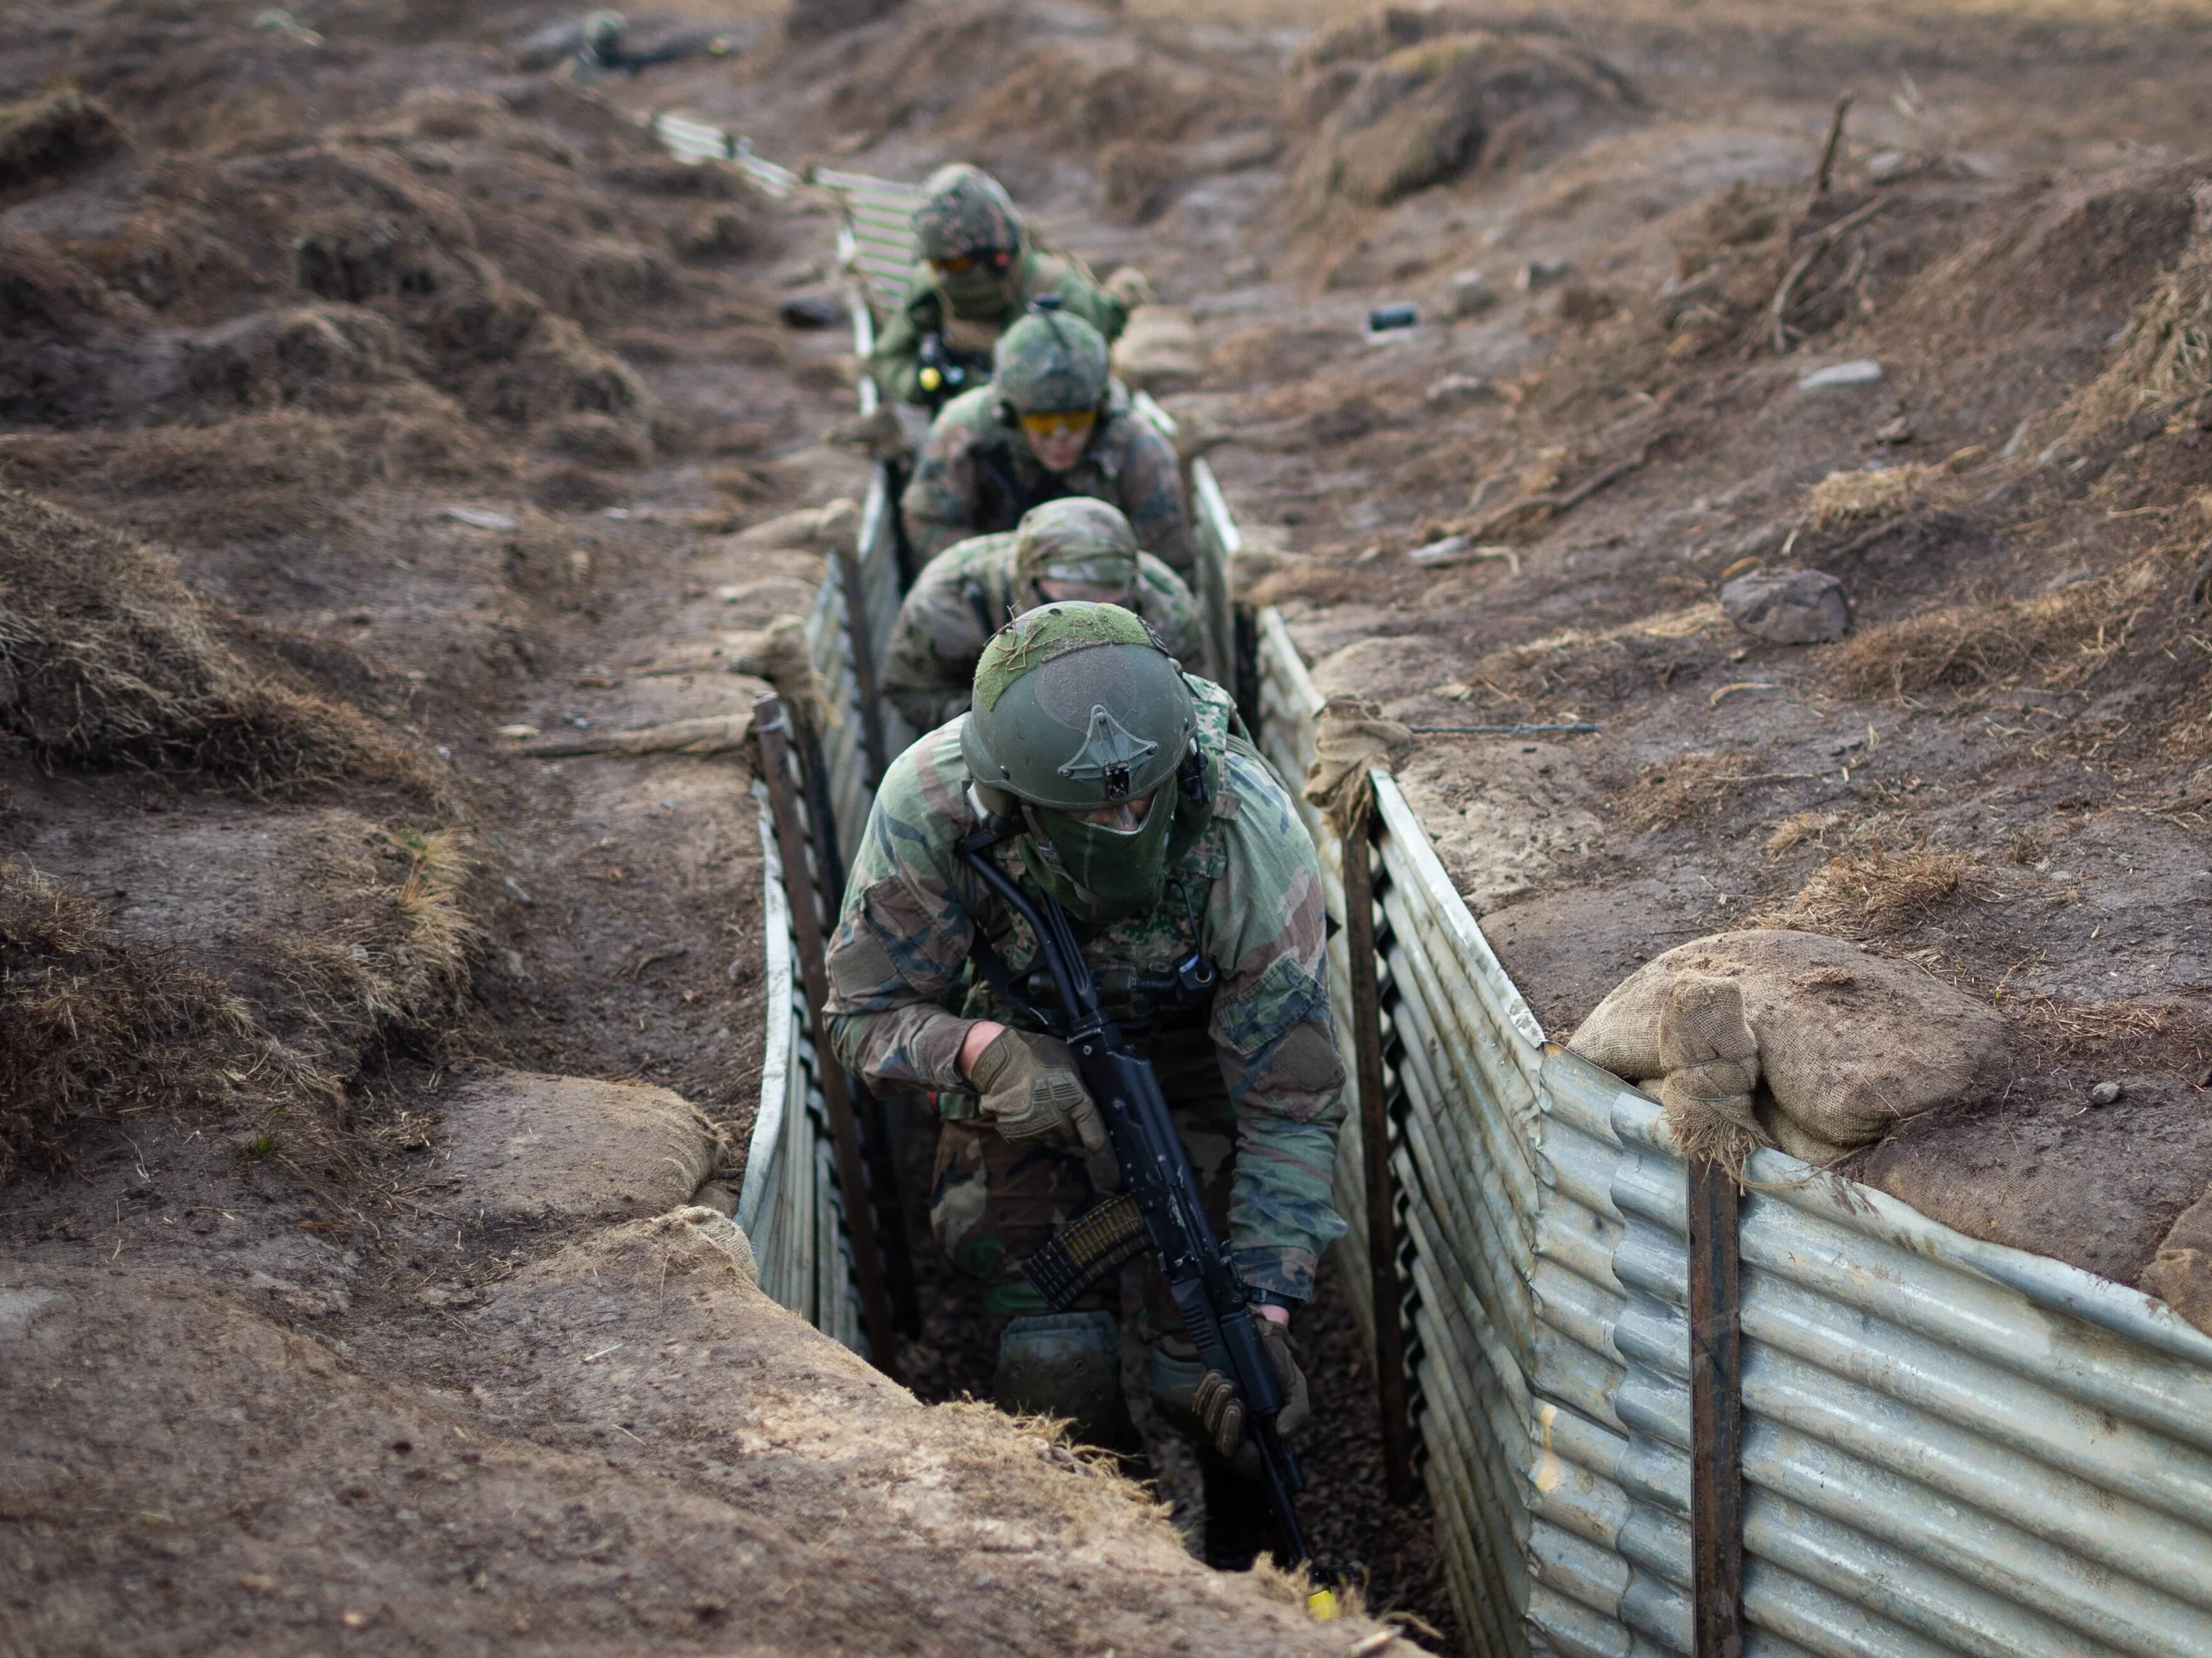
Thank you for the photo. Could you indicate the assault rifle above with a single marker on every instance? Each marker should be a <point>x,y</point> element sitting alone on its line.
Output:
<point>939,375</point>
<point>1157,1184</point>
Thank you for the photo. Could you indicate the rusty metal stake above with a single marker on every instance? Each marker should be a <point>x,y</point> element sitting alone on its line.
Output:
<point>773,728</point>
<point>1375,1141</point>
<point>1716,1413</point>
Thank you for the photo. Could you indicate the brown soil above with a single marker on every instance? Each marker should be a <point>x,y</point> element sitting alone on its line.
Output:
<point>269,308</point>
<point>359,397</point>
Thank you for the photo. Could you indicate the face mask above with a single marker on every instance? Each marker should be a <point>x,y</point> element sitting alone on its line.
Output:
<point>1103,874</point>
<point>979,295</point>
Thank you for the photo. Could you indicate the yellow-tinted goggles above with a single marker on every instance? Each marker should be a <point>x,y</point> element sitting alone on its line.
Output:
<point>1074,422</point>
<point>993,259</point>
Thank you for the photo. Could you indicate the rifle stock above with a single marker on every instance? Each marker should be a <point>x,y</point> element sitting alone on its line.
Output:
<point>1155,1171</point>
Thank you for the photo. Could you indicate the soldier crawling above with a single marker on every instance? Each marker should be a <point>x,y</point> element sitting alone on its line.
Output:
<point>1053,422</point>
<point>1142,808</point>
<point>1075,549</point>
<point>980,271</point>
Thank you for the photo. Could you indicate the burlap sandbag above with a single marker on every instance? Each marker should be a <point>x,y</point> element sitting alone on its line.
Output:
<point>1349,740</point>
<point>2180,1274</point>
<point>1708,1067</point>
<point>1849,1043</point>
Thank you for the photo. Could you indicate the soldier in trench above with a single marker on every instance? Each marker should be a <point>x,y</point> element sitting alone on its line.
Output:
<point>979,272</point>
<point>1073,548</point>
<point>1144,808</point>
<point>1053,422</point>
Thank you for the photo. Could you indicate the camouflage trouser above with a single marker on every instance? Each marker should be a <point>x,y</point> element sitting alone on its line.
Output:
<point>992,1203</point>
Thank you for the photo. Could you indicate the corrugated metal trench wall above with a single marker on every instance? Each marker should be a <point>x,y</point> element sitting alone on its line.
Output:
<point>1949,1448</point>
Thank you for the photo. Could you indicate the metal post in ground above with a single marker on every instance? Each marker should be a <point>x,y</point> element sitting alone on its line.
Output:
<point>1375,1142</point>
<point>1716,1413</point>
<point>773,727</point>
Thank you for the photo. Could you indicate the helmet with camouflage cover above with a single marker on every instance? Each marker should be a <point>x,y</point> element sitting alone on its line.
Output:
<point>965,211</point>
<point>1078,540</point>
<point>1078,713</point>
<point>1052,362</point>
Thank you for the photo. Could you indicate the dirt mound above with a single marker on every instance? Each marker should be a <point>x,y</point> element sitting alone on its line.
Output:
<point>107,660</point>
<point>1427,113</point>
<point>939,61</point>
<point>521,1145</point>
<point>2166,358</point>
<point>91,1023</point>
<point>52,136</point>
<point>735,1482</point>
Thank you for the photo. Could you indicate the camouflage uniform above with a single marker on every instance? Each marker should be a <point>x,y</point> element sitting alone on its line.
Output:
<point>970,591</point>
<point>1254,1079</point>
<point>977,476</point>
<point>966,211</point>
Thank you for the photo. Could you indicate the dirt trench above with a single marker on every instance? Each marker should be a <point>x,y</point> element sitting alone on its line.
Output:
<point>446,402</point>
<point>1631,269</point>
<point>378,415</point>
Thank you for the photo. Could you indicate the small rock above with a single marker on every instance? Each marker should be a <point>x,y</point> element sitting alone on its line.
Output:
<point>1897,431</point>
<point>2105,1094</point>
<point>1865,371</point>
<point>1392,319</point>
<point>1788,607</point>
<point>1462,388</point>
<point>810,311</point>
<point>1468,293</point>
<point>1537,275</point>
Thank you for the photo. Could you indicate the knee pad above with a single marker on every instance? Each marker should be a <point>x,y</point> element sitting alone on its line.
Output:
<point>1064,1365</point>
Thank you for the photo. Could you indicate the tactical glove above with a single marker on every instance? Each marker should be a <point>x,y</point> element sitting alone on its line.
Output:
<point>1032,1095</point>
<point>1220,1409</point>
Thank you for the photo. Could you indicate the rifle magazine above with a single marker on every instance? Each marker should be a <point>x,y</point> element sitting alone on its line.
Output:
<point>1085,1250</point>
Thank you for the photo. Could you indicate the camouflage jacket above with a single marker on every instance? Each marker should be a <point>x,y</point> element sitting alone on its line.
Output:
<point>966,593</point>
<point>896,359</point>
<point>977,476</point>
<point>1248,892</point>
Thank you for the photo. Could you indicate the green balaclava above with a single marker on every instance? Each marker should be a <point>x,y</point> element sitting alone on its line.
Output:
<point>966,214</point>
<point>1077,708</point>
<point>1074,539</point>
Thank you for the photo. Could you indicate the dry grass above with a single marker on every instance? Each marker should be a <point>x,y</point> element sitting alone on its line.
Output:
<point>1861,496</point>
<point>2166,358</point>
<point>54,133</point>
<point>1800,829</point>
<point>408,966</point>
<point>90,1024</point>
<point>106,659</point>
<point>1685,787</point>
<point>259,478</point>
<point>2063,636</point>
<point>1871,894</point>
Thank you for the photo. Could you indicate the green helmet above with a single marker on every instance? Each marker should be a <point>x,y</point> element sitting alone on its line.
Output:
<point>965,211</point>
<point>1052,362</point>
<point>1078,709</point>
<point>1075,539</point>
